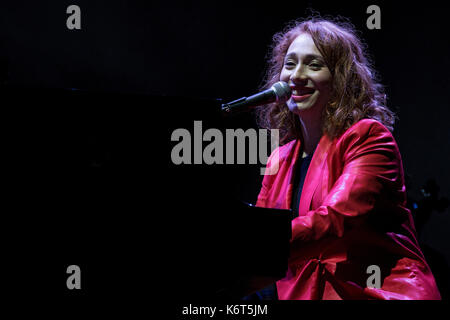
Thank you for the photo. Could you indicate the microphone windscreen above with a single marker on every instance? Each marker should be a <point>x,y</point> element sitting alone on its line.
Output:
<point>282,91</point>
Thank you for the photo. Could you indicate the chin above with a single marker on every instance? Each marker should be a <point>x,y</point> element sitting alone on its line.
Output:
<point>298,108</point>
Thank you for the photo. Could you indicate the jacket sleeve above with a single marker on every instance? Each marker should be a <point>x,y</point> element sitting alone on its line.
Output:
<point>372,170</point>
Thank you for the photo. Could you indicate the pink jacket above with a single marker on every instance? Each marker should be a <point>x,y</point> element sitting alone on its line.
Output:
<point>352,217</point>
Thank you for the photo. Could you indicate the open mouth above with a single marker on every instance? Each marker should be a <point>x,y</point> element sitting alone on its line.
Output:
<point>299,92</point>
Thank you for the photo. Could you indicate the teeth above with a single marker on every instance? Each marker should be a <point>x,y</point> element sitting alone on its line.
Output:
<point>296,93</point>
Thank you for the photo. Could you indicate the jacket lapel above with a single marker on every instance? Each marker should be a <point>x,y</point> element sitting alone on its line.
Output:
<point>292,172</point>
<point>314,174</point>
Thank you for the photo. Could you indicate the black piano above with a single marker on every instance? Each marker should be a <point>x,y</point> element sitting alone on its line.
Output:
<point>91,182</point>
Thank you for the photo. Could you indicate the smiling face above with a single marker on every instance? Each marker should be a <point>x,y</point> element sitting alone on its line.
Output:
<point>305,71</point>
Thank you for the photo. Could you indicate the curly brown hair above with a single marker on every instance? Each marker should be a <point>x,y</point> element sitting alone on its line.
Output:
<point>356,91</point>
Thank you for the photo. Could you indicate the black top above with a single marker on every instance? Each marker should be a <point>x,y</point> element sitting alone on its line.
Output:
<point>301,168</point>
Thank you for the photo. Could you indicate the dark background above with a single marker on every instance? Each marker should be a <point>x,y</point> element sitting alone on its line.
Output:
<point>166,54</point>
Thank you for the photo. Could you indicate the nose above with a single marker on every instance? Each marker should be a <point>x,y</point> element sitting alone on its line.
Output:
<point>298,75</point>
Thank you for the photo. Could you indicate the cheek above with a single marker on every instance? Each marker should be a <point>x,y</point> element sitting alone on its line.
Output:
<point>324,83</point>
<point>284,75</point>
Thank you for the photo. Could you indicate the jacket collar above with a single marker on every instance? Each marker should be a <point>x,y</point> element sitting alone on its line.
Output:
<point>314,173</point>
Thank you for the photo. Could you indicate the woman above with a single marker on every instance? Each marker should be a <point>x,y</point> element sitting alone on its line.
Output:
<point>340,170</point>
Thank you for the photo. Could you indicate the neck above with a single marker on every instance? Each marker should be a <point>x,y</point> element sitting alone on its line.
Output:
<point>311,133</point>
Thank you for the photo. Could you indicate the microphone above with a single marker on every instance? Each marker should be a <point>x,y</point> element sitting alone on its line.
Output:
<point>279,92</point>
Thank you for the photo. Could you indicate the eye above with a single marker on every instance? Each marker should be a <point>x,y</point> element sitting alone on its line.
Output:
<point>315,65</point>
<point>289,63</point>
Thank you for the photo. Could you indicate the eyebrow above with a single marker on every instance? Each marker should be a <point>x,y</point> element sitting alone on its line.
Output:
<point>308,56</point>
